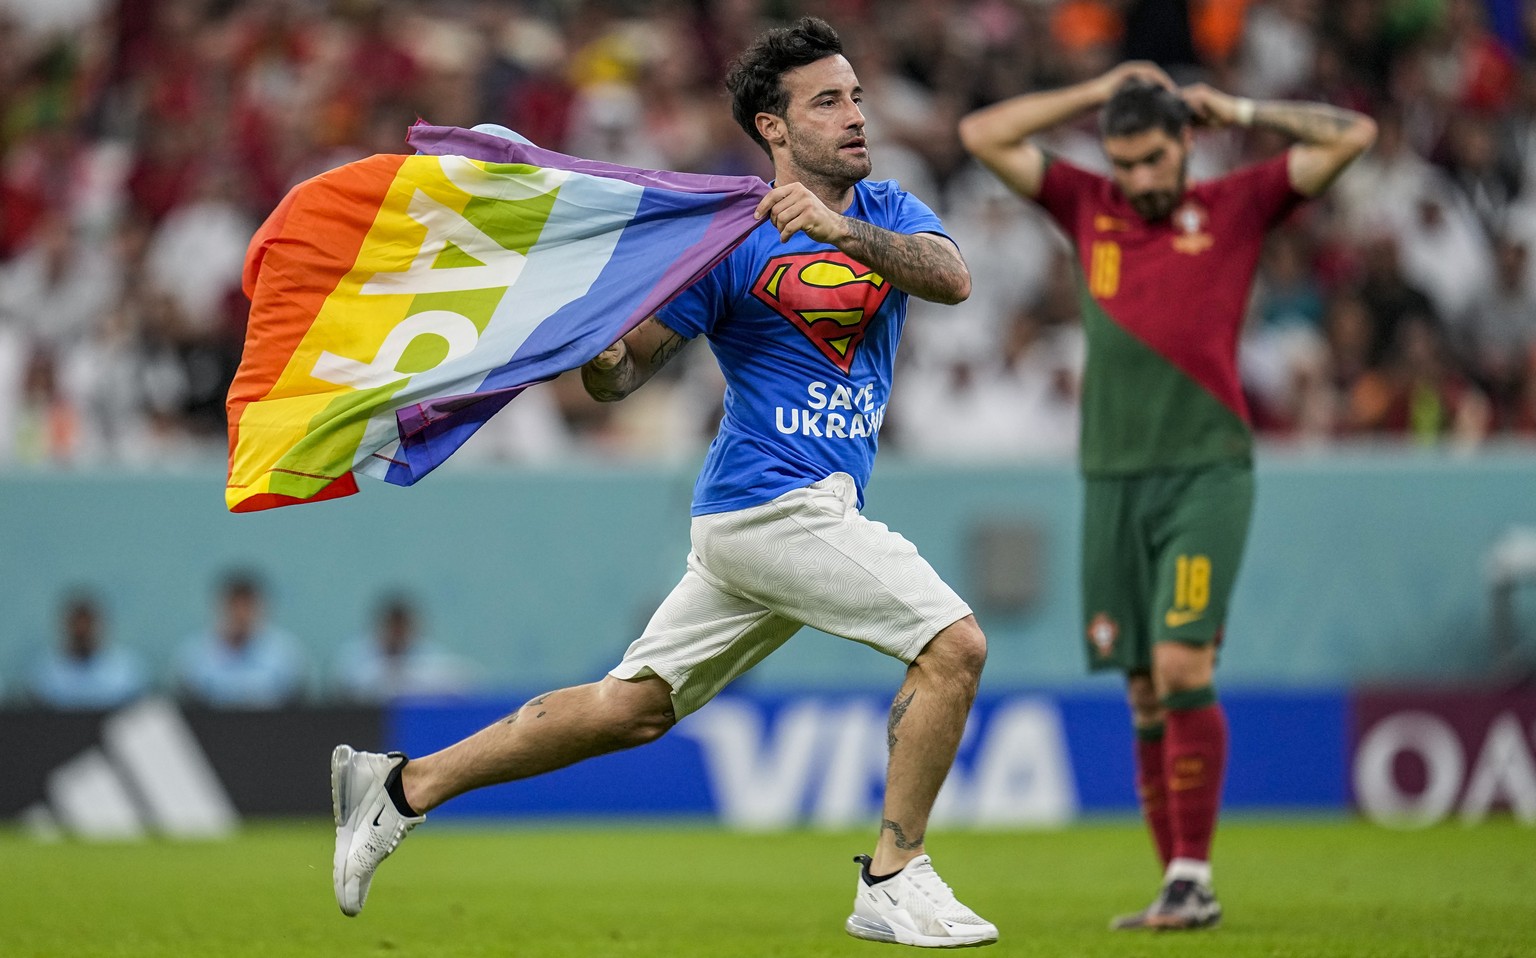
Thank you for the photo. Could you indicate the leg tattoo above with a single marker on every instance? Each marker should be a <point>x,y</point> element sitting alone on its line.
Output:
<point>898,712</point>
<point>510,719</point>
<point>901,836</point>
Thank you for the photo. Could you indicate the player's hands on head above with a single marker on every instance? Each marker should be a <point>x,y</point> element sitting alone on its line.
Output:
<point>1209,106</point>
<point>1144,70</point>
<point>792,208</point>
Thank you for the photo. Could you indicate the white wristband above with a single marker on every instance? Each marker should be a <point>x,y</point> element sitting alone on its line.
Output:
<point>1243,113</point>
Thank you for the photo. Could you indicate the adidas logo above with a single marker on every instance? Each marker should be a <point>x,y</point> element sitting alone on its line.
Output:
<point>149,775</point>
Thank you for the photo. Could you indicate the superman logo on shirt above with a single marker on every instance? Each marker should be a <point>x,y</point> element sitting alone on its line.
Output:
<point>826,295</point>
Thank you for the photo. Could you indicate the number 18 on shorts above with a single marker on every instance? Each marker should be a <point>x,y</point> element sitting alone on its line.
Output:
<point>1160,557</point>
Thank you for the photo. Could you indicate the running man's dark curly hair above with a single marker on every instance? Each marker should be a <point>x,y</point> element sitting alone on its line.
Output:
<point>753,80</point>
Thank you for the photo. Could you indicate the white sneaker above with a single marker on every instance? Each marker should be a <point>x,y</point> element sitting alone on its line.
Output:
<point>368,827</point>
<point>915,907</point>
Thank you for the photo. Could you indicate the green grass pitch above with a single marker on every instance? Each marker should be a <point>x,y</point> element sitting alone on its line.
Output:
<point>1305,889</point>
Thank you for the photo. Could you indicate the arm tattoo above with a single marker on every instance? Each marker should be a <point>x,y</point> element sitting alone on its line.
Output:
<point>666,349</point>
<point>611,385</point>
<point>1316,124</point>
<point>902,841</point>
<point>922,265</point>
<point>898,712</point>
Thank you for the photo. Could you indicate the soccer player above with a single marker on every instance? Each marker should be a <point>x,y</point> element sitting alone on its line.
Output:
<point>804,318</point>
<point>1166,448</point>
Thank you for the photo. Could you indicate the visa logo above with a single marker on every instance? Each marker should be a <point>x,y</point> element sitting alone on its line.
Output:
<point>821,762</point>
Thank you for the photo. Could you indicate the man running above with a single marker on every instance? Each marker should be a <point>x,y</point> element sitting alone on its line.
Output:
<point>804,318</point>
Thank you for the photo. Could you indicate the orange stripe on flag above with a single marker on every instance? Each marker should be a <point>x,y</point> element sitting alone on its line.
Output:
<point>312,241</point>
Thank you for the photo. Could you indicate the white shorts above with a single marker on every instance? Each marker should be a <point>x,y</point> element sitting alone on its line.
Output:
<point>756,575</point>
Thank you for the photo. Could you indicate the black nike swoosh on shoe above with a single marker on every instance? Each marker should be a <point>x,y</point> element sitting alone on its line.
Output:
<point>378,816</point>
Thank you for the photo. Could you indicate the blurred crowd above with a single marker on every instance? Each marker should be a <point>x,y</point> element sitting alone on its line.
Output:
<point>142,142</point>
<point>241,659</point>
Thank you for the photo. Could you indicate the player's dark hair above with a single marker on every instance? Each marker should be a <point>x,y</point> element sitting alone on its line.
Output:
<point>80,601</point>
<point>396,606</point>
<point>1139,105</point>
<point>753,80</point>
<point>241,584</point>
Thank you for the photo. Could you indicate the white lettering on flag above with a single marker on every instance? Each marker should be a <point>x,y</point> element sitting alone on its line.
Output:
<point>501,266</point>
<point>460,334</point>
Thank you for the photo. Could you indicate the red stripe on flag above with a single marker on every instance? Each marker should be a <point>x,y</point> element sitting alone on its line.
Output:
<point>342,486</point>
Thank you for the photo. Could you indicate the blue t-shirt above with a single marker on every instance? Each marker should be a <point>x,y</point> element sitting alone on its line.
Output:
<point>806,338</point>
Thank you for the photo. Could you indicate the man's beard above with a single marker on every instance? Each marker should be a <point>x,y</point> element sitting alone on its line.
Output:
<point>1154,205</point>
<point>837,169</point>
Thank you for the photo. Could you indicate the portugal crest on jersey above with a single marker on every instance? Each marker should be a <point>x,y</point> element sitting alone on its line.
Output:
<point>826,295</point>
<point>1193,223</point>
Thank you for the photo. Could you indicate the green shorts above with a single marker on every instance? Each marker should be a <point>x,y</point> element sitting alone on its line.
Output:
<point>1160,556</point>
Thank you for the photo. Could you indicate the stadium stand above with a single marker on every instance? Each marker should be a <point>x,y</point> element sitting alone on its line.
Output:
<point>143,141</point>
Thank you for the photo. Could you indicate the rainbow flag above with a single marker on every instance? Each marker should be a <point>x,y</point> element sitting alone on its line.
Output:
<point>398,302</point>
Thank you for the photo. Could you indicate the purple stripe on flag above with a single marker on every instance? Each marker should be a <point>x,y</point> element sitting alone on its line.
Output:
<point>431,432</point>
<point>681,273</point>
<point>489,148</point>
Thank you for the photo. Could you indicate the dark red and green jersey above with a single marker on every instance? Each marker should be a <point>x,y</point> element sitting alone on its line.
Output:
<point>1163,306</point>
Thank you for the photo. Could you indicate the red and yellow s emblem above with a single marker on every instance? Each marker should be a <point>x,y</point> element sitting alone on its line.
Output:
<point>827,295</point>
